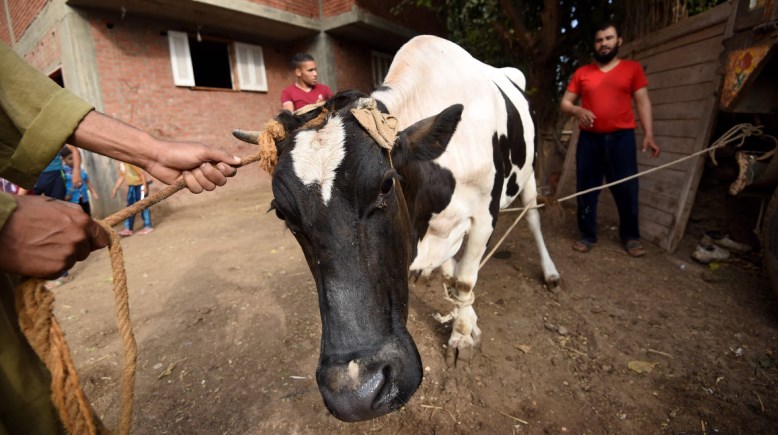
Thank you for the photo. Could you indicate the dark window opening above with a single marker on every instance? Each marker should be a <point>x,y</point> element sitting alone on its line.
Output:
<point>57,77</point>
<point>211,63</point>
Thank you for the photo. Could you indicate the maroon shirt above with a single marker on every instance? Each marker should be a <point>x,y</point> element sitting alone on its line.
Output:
<point>300,98</point>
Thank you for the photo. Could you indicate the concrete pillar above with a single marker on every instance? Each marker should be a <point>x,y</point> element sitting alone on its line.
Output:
<point>321,50</point>
<point>79,73</point>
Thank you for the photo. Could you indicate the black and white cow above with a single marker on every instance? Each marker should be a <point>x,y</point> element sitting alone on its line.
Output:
<point>367,207</point>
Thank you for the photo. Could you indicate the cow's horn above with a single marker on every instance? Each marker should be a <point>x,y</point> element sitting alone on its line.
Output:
<point>251,137</point>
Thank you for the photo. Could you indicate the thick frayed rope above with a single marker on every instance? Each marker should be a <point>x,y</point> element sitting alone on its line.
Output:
<point>35,308</point>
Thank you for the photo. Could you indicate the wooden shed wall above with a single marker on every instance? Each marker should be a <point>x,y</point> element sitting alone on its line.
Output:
<point>682,66</point>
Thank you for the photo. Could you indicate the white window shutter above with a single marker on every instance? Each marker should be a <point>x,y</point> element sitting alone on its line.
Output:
<point>251,67</point>
<point>180,58</point>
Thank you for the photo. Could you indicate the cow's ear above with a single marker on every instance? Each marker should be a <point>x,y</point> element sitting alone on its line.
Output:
<point>428,138</point>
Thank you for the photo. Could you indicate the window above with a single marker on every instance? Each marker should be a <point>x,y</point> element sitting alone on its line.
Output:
<point>380,63</point>
<point>209,63</point>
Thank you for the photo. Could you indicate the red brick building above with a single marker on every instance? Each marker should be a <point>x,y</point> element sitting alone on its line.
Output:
<point>196,69</point>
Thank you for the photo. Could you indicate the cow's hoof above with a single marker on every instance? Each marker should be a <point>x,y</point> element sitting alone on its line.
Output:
<point>465,337</point>
<point>553,281</point>
<point>460,356</point>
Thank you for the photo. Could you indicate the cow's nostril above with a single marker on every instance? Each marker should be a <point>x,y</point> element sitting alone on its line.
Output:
<point>389,391</point>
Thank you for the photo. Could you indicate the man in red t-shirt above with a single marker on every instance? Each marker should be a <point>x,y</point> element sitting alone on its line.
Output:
<point>306,89</point>
<point>606,147</point>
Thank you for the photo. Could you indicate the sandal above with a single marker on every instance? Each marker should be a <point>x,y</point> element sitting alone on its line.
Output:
<point>582,245</point>
<point>145,231</point>
<point>634,248</point>
<point>125,233</point>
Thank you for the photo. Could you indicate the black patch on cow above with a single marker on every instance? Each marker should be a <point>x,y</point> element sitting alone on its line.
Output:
<point>517,86</point>
<point>512,186</point>
<point>515,140</point>
<point>428,188</point>
<point>507,151</point>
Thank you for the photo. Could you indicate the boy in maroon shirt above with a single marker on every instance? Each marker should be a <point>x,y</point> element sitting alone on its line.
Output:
<point>306,89</point>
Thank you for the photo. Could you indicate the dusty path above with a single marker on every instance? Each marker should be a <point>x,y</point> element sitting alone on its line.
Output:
<point>227,324</point>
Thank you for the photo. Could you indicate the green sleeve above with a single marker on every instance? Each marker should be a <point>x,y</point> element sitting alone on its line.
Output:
<point>36,119</point>
<point>7,206</point>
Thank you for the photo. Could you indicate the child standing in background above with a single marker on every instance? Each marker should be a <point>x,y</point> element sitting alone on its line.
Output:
<point>137,189</point>
<point>78,195</point>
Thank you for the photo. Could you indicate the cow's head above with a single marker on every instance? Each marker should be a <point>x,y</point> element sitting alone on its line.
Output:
<point>339,193</point>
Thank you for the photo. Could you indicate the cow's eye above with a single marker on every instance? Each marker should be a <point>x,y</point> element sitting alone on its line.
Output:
<point>387,185</point>
<point>274,207</point>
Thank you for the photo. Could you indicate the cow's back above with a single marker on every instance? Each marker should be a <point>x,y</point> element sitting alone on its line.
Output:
<point>429,74</point>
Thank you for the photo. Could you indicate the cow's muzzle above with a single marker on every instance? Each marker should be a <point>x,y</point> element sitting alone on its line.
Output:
<point>369,387</point>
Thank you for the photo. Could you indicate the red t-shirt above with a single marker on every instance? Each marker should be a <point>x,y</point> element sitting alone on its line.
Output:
<point>300,98</point>
<point>609,94</point>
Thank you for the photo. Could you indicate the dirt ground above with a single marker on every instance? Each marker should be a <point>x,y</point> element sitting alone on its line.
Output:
<point>227,323</point>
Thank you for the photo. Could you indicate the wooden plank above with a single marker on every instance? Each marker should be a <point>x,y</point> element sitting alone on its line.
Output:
<point>645,163</point>
<point>648,213</point>
<point>676,110</point>
<point>689,75</point>
<point>678,145</point>
<point>678,127</point>
<point>662,202</point>
<point>660,186</point>
<point>698,92</point>
<point>714,31</point>
<point>693,54</point>
<point>654,233</point>
<point>666,181</point>
<point>681,28</point>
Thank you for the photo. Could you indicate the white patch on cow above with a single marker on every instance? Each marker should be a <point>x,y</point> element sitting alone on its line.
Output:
<point>353,370</point>
<point>318,153</point>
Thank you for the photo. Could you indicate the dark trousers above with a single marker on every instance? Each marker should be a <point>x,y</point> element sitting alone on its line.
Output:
<point>611,156</point>
<point>51,184</point>
<point>87,207</point>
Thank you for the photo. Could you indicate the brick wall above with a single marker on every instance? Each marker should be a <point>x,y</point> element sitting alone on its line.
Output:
<point>47,53</point>
<point>335,7</point>
<point>5,32</point>
<point>305,8</point>
<point>137,85</point>
<point>354,70</point>
<point>23,12</point>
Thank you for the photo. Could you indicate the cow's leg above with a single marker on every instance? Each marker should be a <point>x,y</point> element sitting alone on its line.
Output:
<point>465,334</point>
<point>529,198</point>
